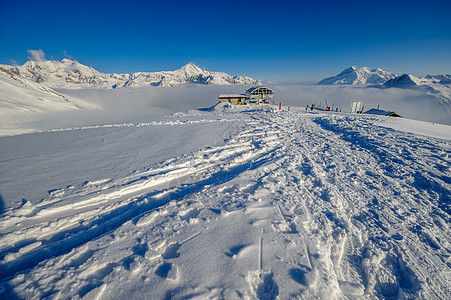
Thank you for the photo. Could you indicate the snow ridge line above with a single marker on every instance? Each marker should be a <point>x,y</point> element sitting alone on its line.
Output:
<point>143,124</point>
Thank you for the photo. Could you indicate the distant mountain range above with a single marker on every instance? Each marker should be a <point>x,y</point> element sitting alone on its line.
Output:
<point>72,74</point>
<point>439,85</point>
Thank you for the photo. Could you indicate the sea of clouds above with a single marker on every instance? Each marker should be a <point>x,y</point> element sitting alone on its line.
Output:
<point>139,104</point>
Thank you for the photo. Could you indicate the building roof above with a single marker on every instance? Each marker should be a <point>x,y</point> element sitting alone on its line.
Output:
<point>381,112</point>
<point>252,89</point>
<point>232,96</point>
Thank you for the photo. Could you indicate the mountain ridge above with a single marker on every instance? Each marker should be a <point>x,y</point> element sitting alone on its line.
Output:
<point>438,85</point>
<point>71,74</point>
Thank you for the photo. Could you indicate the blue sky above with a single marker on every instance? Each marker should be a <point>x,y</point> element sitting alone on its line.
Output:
<point>269,40</point>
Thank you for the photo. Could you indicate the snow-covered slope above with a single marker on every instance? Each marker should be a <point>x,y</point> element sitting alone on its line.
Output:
<point>22,95</point>
<point>71,74</point>
<point>356,76</point>
<point>227,204</point>
<point>22,99</point>
<point>439,85</point>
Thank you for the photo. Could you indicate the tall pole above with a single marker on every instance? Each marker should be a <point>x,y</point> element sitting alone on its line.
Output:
<point>324,92</point>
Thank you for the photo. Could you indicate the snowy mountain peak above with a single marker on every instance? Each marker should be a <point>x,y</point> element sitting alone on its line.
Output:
<point>192,68</point>
<point>350,69</point>
<point>405,80</point>
<point>355,76</point>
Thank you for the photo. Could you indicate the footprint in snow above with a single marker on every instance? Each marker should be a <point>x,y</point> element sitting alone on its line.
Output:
<point>171,251</point>
<point>191,214</point>
<point>263,285</point>
<point>235,250</point>
<point>167,271</point>
<point>140,249</point>
<point>304,275</point>
<point>351,288</point>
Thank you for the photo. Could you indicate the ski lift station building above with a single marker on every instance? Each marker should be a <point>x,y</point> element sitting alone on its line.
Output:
<point>254,95</point>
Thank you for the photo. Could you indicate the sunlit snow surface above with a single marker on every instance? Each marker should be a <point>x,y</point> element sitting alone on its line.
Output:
<point>228,203</point>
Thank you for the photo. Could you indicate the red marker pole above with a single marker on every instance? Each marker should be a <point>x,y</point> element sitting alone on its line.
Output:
<point>280,105</point>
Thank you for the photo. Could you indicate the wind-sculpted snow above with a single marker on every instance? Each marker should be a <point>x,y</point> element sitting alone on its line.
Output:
<point>285,205</point>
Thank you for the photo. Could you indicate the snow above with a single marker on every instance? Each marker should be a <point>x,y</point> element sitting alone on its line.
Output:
<point>230,202</point>
<point>232,96</point>
<point>417,127</point>
<point>375,111</point>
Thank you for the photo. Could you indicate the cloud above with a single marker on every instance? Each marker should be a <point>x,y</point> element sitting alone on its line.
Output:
<point>67,55</point>
<point>36,55</point>
<point>143,101</point>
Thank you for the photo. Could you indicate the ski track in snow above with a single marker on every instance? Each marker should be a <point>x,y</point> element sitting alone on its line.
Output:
<point>293,206</point>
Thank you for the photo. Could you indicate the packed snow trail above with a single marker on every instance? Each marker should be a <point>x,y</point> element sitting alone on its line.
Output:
<point>287,205</point>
